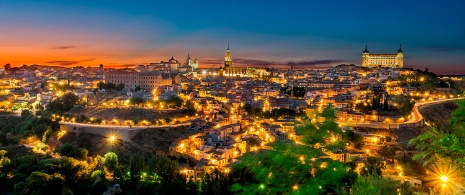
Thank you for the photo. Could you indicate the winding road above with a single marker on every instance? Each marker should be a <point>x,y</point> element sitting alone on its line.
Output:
<point>417,117</point>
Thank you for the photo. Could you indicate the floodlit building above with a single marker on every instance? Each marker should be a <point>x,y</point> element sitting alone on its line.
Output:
<point>383,60</point>
<point>231,71</point>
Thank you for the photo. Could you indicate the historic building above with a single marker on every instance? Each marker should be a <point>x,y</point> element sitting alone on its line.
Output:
<point>383,60</point>
<point>174,66</point>
<point>146,80</point>
<point>194,64</point>
<point>229,70</point>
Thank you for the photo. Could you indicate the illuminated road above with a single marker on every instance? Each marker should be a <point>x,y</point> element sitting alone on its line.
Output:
<point>415,118</point>
<point>417,115</point>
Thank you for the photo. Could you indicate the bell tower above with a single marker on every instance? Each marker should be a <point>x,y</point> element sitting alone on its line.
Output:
<point>365,57</point>
<point>400,57</point>
<point>228,59</point>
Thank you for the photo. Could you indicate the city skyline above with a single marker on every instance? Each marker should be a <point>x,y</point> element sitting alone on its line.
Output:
<point>302,35</point>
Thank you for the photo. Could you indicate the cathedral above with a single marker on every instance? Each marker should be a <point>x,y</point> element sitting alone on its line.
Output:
<point>194,64</point>
<point>383,60</point>
<point>230,71</point>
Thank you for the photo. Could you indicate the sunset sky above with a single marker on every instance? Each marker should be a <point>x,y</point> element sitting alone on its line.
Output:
<point>303,34</point>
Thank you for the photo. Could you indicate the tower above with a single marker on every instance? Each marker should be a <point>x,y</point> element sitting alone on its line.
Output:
<point>228,59</point>
<point>365,57</point>
<point>194,64</point>
<point>400,57</point>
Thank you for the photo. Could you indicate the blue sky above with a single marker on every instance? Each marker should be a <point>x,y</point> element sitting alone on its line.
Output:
<point>316,33</point>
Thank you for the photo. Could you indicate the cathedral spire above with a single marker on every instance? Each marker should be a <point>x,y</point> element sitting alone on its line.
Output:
<point>228,59</point>
<point>366,48</point>
<point>400,48</point>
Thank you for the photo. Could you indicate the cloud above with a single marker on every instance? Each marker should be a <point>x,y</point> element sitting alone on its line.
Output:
<point>69,62</point>
<point>445,49</point>
<point>67,47</point>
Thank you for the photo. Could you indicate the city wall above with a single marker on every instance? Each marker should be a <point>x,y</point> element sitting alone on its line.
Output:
<point>420,123</point>
<point>124,134</point>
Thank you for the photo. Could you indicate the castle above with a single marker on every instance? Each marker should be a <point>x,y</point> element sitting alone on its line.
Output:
<point>383,60</point>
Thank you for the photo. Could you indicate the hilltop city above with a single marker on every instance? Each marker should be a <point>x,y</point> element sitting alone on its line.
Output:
<point>247,125</point>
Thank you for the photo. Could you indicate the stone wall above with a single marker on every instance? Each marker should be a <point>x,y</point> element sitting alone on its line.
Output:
<point>125,134</point>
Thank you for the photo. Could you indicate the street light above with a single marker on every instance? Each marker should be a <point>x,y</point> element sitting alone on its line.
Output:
<point>112,139</point>
<point>444,178</point>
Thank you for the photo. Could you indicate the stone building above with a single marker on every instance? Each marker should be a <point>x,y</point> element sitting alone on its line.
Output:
<point>383,60</point>
<point>230,71</point>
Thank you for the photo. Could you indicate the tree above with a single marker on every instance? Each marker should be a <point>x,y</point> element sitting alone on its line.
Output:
<point>69,150</point>
<point>404,104</point>
<point>3,159</point>
<point>216,182</point>
<point>7,66</point>
<point>63,104</point>
<point>120,87</point>
<point>100,85</point>
<point>41,183</point>
<point>25,113</point>
<point>136,101</point>
<point>168,120</point>
<point>111,161</point>
<point>354,138</point>
<point>293,168</point>
<point>175,102</point>
<point>137,88</point>
<point>378,185</point>
<point>373,166</point>
<point>109,86</point>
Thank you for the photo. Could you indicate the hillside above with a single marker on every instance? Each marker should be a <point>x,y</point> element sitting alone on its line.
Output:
<point>95,144</point>
<point>159,139</point>
<point>438,114</point>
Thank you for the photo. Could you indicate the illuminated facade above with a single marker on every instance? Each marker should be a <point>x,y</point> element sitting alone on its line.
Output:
<point>194,64</point>
<point>229,70</point>
<point>383,60</point>
<point>146,80</point>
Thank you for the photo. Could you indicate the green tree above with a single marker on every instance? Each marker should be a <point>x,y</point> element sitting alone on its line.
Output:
<point>100,85</point>
<point>3,159</point>
<point>69,150</point>
<point>378,185</point>
<point>41,183</point>
<point>137,88</point>
<point>373,166</point>
<point>120,87</point>
<point>404,104</point>
<point>216,182</point>
<point>136,101</point>
<point>168,120</point>
<point>294,168</point>
<point>111,161</point>
<point>63,104</point>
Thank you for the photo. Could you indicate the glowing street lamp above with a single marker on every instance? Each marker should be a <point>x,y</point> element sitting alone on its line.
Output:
<point>444,178</point>
<point>112,139</point>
